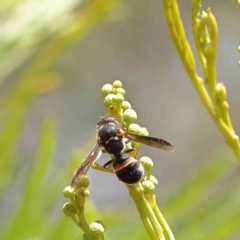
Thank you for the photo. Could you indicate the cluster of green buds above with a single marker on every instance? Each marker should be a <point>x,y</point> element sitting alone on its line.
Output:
<point>75,209</point>
<point>122,110</point>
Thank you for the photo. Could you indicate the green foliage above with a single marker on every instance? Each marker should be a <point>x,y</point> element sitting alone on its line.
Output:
<point>205,206</point>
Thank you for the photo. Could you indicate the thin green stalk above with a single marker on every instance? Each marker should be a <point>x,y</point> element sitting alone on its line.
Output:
<point>144,208</point>
<point>79,207</point>
<point>166,229</point>
<point>207,58</point>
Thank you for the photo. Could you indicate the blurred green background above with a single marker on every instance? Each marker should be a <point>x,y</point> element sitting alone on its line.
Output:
<point>54,58</point>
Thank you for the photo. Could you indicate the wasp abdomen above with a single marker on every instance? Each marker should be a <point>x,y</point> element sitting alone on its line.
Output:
<point>128,169</point>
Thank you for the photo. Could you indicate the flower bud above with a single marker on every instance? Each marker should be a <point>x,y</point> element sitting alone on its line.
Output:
<point>121,91</point>
<point>146,162</point>
<point>134,129</point>
<point>106,89</point>
<point>226,105</point>
<point>68,209</point>
<point>108,101</point>
<point>96,228</point>
<point>204,16</point>
<point>130,116</point>
<point>117,84</point>
<point>83,192</point>
<point>68,192</point>
<point>126,105</point>
<point>220,92</point>
<point>143,132</point>
<point>114,91</point>
<point>148,186</point>
<point>102,223</point>
<point>118,98</point>
<point>84,182</point>
<point>153,180</point>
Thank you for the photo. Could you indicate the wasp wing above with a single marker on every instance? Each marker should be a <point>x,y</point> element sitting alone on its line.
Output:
<point>82,170</point>
<point>150,141</point>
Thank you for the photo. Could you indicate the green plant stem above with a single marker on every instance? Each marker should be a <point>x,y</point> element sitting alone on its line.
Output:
<point>79,207</point>
<point>76,221</point>
<point>166,229</point>
<point>185,53</point>
<point>147,215</point>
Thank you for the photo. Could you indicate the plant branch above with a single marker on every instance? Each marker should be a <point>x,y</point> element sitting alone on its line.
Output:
<point>205,37</point>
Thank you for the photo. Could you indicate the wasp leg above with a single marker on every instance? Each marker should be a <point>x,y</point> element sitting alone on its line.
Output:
<point>108,163</point>
<point>132,151</point>
<point>101,168</point>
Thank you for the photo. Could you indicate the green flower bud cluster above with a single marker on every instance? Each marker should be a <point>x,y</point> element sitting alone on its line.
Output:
<point>76,196</point>
<point>75,209</point>
<point>113,94</point>
<point>122,110</point>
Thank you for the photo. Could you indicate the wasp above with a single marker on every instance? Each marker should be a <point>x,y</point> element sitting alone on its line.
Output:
<point>111,138</point>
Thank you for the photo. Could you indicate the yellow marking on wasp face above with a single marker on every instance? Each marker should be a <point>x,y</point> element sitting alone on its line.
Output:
<point>116,138</point>
<point>107,142</point>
